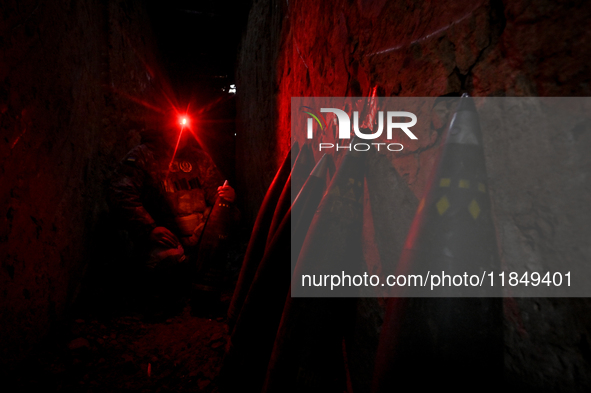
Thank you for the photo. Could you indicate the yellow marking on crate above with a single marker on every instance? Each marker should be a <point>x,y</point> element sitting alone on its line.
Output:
<point>481,187</point>
<point>442,205</point>
<point>464,183</point>
<point>474,209</point>
<point>445,182</point>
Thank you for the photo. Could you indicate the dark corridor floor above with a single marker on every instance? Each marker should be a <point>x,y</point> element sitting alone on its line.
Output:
<point>115,333</point>
<point>128,354</point>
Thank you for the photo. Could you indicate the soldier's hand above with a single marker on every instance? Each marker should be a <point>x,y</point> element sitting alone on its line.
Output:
<point>227,192</point>
<point>164,237</point>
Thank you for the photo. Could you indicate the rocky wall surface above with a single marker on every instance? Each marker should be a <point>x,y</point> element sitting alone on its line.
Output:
<point>69,72</point>
<point>259,152</point>
<point>433,48</point>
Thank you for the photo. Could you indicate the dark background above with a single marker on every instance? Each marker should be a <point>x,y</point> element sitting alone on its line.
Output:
<point>79,81</point>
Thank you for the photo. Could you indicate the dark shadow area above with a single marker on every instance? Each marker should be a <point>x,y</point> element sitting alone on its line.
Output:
<point>130,329</point>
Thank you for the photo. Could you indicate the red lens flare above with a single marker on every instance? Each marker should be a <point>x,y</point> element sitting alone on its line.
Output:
<point>183,121</point>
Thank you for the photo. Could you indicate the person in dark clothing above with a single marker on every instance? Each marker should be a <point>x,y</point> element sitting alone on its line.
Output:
<point>164,198</point>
